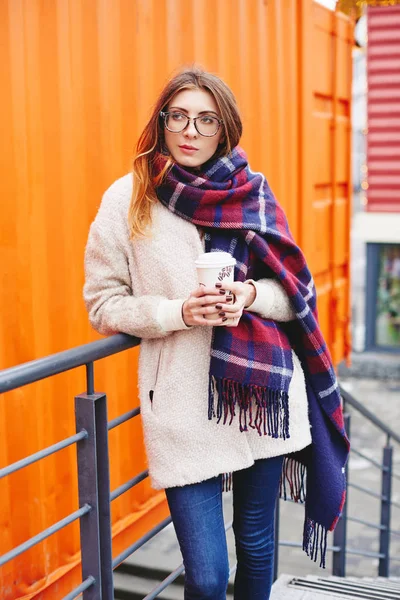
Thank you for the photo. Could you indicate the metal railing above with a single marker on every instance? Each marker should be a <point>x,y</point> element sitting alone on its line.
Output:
<point>91,441</point>
<point>95,497</point>
<point>340,547</point>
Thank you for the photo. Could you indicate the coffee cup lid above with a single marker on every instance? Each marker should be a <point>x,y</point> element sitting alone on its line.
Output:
<point>215,259</point>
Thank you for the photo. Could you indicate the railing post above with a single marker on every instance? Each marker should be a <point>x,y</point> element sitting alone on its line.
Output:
<point>340,533</point>
<point>94,489</point>
<point>276,548</point>
<point>384,537</point>
<point>103,475</point>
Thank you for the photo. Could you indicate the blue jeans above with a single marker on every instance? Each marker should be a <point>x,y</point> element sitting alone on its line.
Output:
<point>197,515</point>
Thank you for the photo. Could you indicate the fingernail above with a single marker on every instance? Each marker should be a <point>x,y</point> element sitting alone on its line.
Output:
<point>222,291</point>
<point>225,319</point>
<point>221,314</point>
<point>218,306</point>
<point>218,285</point>
<point>229,299</point>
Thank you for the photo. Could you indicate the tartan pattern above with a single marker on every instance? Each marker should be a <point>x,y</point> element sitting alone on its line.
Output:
<point>253,361</point>
<point>230,200</point>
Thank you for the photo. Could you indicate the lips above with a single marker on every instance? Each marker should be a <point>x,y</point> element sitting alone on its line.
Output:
<point>187,147</point>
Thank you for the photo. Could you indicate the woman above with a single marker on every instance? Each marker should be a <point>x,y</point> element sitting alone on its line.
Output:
<point>220,405</point>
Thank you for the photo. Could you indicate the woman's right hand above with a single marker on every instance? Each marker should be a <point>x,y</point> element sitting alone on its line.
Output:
<point>205,301</point>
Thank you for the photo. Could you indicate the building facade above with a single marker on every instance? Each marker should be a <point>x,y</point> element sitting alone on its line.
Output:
<point>378,226</point>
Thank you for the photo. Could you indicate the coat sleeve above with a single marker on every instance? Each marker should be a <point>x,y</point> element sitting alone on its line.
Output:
<point>272,301</point>
<point>108,294</point>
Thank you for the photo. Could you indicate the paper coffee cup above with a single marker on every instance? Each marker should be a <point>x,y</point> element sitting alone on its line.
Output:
<point>215,267</point>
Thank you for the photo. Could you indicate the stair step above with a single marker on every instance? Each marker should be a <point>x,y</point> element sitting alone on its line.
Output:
<point>315,588</point>
<point>129,587</point>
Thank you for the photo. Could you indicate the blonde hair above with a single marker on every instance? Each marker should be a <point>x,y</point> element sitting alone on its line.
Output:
<point>152,141</point>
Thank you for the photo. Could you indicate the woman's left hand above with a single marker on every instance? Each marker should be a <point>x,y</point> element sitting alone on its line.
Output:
<point>238,297</point>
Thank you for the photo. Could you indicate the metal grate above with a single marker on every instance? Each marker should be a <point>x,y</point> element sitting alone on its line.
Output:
<point>345,588</point>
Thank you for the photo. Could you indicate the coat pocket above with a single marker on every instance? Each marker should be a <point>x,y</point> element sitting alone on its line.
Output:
<point>157,373</point>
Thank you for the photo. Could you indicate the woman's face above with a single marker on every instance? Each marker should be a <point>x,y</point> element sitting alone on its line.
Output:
<point>188,148</point>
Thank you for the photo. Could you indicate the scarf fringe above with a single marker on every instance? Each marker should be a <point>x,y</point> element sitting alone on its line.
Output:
<point>315,541</point>
<point>271,407</point>
<point>293,477</point>
<point>293,486</point>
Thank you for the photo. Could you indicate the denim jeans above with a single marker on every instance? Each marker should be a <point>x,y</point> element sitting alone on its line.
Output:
<point>197,515</point>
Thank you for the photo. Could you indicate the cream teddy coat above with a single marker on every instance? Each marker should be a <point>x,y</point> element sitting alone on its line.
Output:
<point>138,287</point>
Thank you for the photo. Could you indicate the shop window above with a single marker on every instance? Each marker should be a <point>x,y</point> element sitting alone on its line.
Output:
<point>383,297</point>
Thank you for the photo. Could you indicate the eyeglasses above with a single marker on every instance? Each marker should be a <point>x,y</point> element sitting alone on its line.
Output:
<point>206,125</point>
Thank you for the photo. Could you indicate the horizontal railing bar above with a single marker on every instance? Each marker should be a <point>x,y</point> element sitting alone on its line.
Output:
<point>394,532</point>
<point>371,460</point>
<point>128,485</point>
<point>24,462</point>
<point>125,417</point>
<point>289,544</point>
<point>335,549</point>
<point>165,583</point>
<point>367,523</point>
<point>81,588</point>
<point>44,534</point>
<point>395,475</point>
<point>349,399</point>
<point>395,504</point>
<point>171,578</point>
<point>140,542</point>
<point>148,536</point>
<point>366,491</point>
<point>38,369</point>
<point>363,553</point>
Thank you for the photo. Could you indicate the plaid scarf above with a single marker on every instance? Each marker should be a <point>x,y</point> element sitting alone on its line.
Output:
<point>251,364</point>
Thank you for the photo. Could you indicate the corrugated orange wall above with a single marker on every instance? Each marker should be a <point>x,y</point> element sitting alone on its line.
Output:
<point>325,172</point>
<point>77,83</point>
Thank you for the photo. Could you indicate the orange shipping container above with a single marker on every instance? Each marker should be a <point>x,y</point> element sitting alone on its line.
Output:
<point>77,82</point>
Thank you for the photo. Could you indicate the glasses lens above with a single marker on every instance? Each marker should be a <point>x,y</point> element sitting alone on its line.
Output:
<point>176,121</point>
<point>207,125</point>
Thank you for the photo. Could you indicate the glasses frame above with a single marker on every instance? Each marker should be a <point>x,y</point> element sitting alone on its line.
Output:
<point>164,115</point>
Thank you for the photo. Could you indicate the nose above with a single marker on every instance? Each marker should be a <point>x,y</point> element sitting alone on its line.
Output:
<point>190,131</point>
